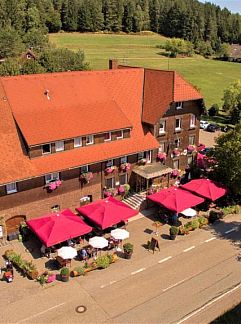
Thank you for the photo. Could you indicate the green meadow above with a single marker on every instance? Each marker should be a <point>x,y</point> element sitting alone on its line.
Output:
<point>210,76</point>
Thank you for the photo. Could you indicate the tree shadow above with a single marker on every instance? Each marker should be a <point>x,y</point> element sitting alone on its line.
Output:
<point>230,231</point>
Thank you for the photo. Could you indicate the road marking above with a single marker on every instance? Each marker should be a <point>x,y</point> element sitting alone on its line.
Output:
<point>176,284</point>
<point>43,312</point>
<point>137,271</point>
<point>211,239</point>
<point>230,231</point>
<point>103,286</point>
<point>163,260</point>
<point>112,282</point>
<point>208,304</point>
<point>190,248</point>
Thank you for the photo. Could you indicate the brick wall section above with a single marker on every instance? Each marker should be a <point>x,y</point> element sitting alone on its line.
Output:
<point>170,135</point>
<point>34,200</point>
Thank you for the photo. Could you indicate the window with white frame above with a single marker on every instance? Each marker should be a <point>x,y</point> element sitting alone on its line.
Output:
<point>123,159</point>
<point>84,169</point>
<point>110,183</point>
<point>176,164</point>
<point>107,137</point>
<point>11,188</point>
<point>177,142</point>
<point>46,149</point>
<point>140,156</point>
<point>109,163</point>
<point>179,105</point>
<point>89,139</point>
<point>189,160</point>
<point>123,179</point>
<point>119,134</point>
<point>178,124</point>
<point>192,121</point>
<point>162,127</point>
<point>77,141</point>
<point>161,147</point>
<point>51,177</point>
<point>148,156</point>
<point>191,140</point>
<point>59,146</point>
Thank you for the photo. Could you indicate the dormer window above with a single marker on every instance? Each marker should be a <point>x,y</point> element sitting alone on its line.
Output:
<point>109,163</point>
<point>59,146</point>
<point>77,141</point>
<point>89,139</point>
<point>46,149</point>
<point>119,134</point>
<point>51,177</point>
<point>84,169</point>
<point>179,105</point>
<point>107,137</point>
<point>192,121</point>
<point>162,127</point>
<point>11,188</point>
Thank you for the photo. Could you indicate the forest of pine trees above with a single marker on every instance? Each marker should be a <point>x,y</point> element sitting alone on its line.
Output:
<point>188,19</point>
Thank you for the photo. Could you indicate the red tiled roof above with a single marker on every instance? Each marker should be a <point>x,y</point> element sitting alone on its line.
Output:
<point>158,94</point>
<point>124,87</point>
<point>161,88</point>
<point>76,106</point>
<point>183,90</point>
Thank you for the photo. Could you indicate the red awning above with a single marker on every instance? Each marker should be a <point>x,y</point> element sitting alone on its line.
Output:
<point>176,199</point>
<point>58,227</point>
<point>206,188</point>
<point>107,212</point>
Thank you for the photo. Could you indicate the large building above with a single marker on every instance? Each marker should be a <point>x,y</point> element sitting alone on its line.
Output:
<point>69,137</point>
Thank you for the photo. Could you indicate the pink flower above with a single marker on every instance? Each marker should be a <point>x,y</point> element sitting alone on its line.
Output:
<point>58,183</point>
<point>121,190</point>
<point>162,156</point>
<point>52,186</point>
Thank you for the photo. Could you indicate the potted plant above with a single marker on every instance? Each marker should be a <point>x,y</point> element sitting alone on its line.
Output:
<point>121,190</point>
<point>175,173</point>
<point>64,274</point>
<point>202,221</point>
<point>103,262</point>
<point>110,169</point>
<point>174,230</point>
<point>128,250</point>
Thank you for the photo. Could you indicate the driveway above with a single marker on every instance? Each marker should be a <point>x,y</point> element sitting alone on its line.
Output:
<point>208,138</point>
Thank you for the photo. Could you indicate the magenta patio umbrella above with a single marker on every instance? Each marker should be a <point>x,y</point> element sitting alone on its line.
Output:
<point>176,199</point>
<point>206,188</point>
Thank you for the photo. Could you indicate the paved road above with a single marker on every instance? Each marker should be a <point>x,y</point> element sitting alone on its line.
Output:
<point>184,283</point>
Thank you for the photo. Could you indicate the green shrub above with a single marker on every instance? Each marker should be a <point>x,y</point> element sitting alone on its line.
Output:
<point>202,221</point>
<point>188,226</point>
<point>195,224</point>
<point>174,230</point>
<point>64,271</point>
<point>128,247</point>
<point>103,262</point>
<point>80,271</point>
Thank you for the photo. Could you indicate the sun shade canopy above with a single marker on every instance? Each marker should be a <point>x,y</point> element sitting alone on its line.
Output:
<point>176,199</point>
<point>58,227</point>
<point>206,188</point>
<point>107,212</point>
<point>151,171</point>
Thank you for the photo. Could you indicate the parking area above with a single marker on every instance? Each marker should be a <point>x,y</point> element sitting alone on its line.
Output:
<point>208,138</point>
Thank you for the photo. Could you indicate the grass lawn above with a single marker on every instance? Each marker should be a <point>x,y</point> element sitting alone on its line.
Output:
<point>210,76</point>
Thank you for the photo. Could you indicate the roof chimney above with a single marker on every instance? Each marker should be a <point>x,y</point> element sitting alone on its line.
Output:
<point>46,92</point>
<point>113,64</point>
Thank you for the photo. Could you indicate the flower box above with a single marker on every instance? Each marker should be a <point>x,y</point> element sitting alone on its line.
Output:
<point>110,170</point>
<point>121,190</point>
<point>86,176</point>
<point>112,192</point>
<point>175,173</point>
<point>176,152</point>
<point>162,156</point>
<point>125,166</point>
<point>191,149</point>
<point>53,185</point>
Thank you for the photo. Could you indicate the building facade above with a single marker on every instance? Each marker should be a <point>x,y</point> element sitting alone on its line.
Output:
<point>68,138</point>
